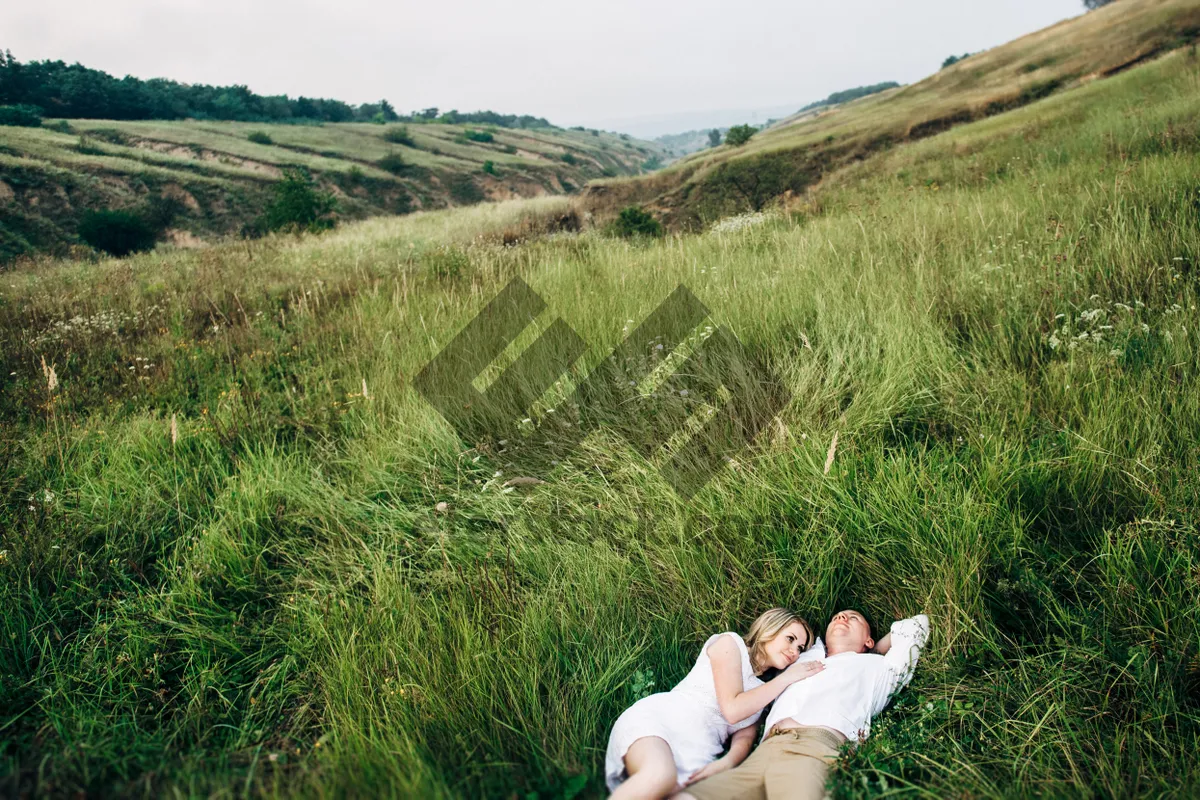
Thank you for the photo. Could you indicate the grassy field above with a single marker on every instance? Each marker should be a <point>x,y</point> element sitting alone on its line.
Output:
<point>220,179</point>
<point>796,154</point>
<point>226,573</point>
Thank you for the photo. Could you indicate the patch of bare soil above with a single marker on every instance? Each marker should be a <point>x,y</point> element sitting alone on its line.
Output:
<point>502,189</point>
<point>184,239</point>
<point>176,192</point>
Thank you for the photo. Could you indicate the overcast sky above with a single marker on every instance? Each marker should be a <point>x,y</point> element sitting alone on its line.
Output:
<point>621,64</point>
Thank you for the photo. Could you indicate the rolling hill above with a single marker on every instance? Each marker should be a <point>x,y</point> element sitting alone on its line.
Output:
<point>218,178</point>
<point>796,154</point>
<point>240,554</point>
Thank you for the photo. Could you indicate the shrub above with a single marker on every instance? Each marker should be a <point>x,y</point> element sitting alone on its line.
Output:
<point>21,115</point>
<point>952,60</point>
<point>160,211</point>
<point>464,191</point>
<point>260,137</point>
<point>635,222</point>
<point>355,175</point>
<point>117,233</point>
<point>652,163</point>
<point>738,135</point>
<point>110,135</point>
<point>510,149</point>
<point>1039,90</point>
<point>714,138</point>
<point>393,163</point>
<point>446,261</point>
<point>88,147</point>
<point>61,126</point>
<point>298,204</point>
<point>568,158</point>
<point>399,135</point>
<point>489,167</point>
<point>479,136</point>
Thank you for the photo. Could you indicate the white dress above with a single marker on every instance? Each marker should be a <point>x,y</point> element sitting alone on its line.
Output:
<point>687,717</point>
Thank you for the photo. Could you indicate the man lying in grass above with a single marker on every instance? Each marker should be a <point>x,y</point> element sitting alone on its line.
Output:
<point>813,718</point>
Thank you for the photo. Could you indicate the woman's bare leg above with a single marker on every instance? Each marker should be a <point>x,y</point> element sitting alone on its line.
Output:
<point>651,768</point>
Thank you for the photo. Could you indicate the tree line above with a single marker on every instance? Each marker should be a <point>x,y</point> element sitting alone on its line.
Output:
<point>73,91</point>
<point>847,95</point>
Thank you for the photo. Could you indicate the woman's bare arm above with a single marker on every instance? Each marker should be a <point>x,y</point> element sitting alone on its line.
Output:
<point>734,701</point>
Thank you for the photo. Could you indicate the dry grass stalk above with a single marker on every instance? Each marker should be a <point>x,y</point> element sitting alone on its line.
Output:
<point>50,375</point>
<point>832,451</point>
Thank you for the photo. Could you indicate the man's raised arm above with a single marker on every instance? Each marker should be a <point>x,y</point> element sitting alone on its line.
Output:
<point>900,648</point>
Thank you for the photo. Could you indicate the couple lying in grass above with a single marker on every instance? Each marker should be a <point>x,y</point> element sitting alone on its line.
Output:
<point>824,694</point>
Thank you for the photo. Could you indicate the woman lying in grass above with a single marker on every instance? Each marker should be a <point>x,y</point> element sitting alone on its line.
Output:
<point>671,739</point>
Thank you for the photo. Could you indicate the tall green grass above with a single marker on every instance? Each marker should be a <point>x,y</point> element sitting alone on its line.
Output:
<point>273,603</point>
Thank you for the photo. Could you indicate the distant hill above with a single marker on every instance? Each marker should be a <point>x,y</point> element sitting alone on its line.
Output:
<point>794,155</point>
<point>217,175</point>
<point>681,144</point>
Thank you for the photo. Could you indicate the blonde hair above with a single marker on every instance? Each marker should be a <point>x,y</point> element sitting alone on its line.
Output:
<point>767,627</point>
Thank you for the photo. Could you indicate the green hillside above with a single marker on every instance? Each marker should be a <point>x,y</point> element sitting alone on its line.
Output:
<point>794,157</point>
<point>241,555</point>
<point>218,179</point>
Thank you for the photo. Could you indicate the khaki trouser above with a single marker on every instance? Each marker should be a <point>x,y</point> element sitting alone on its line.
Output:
<point>789,765</point>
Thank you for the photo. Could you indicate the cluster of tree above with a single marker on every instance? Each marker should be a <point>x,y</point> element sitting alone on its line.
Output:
<point>738,135</point>
<point>455,117</point>
<point>74,91</point>
<point>952,60</point>
<point>846,95</point>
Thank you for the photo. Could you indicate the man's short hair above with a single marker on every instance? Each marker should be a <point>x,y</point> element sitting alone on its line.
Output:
<point>870,623</point>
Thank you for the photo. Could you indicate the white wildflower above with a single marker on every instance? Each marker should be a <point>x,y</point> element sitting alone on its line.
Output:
<point>740,222</point>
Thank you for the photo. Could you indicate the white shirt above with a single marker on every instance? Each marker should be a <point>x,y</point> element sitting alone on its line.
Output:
<point>853,687</point>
